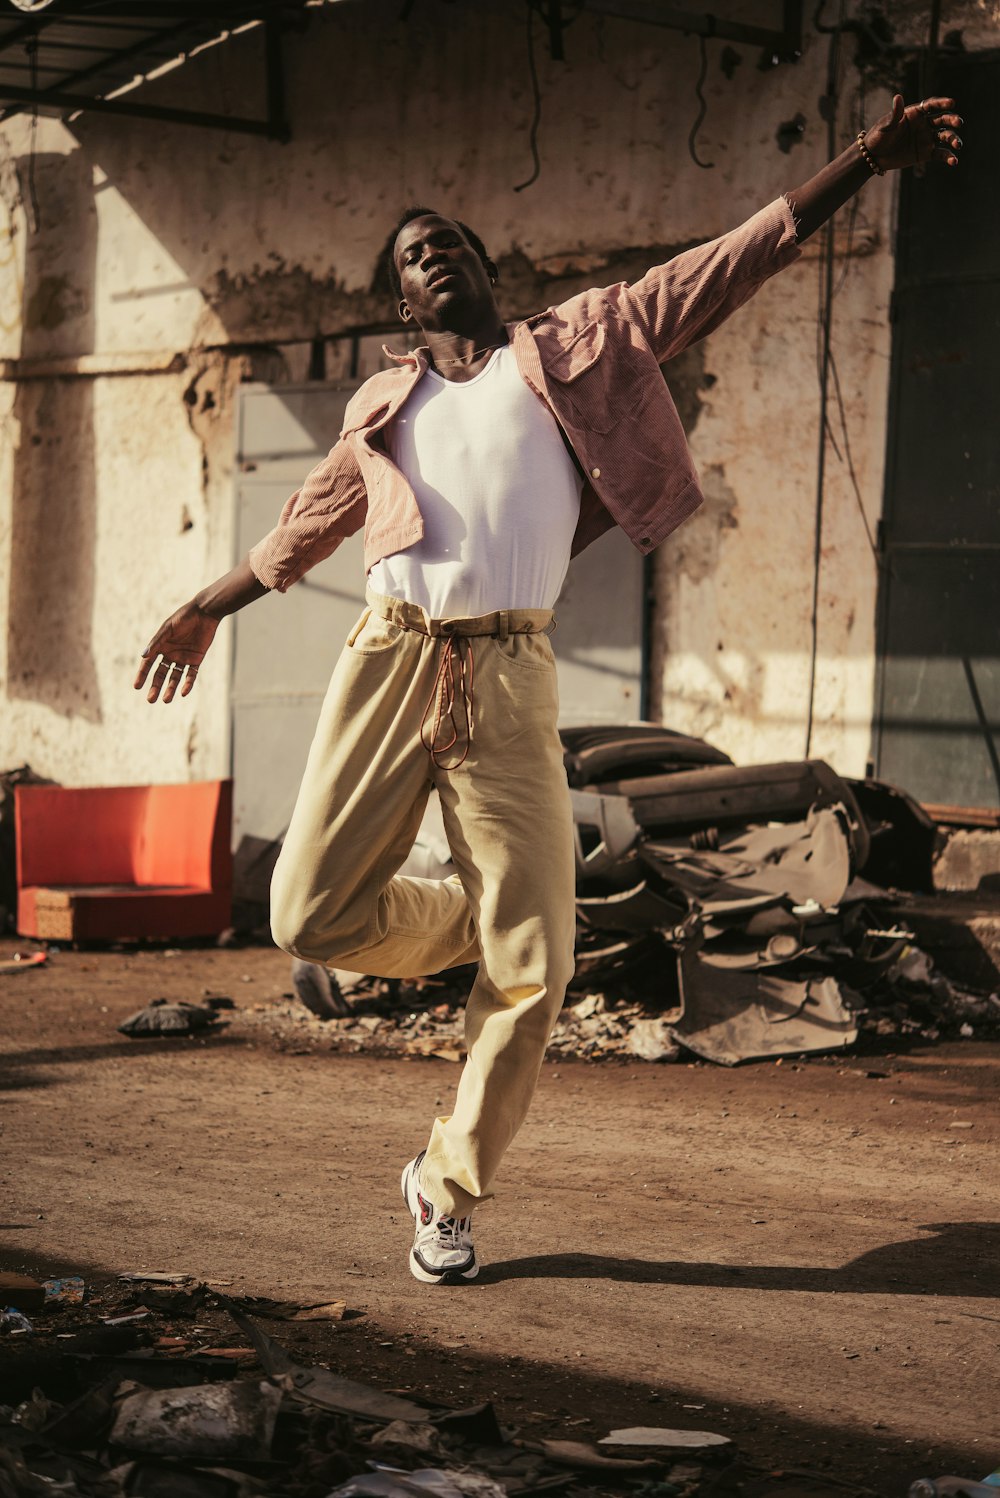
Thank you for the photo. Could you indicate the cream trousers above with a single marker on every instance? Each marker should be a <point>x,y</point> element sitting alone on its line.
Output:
<point>468,706</point>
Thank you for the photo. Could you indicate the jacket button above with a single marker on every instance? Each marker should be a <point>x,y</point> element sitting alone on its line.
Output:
<point>595,473</point>
<point>644,541</point>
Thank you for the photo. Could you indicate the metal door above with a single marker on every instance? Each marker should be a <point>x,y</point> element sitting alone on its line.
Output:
<point>938,706</point>
<point>286,645</point>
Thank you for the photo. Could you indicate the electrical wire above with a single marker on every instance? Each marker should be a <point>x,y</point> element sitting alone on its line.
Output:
<point>536,91</point>
<point>848,459</point>
<point>703,107</point>
<point>31,47</point>
<point>826,268</point>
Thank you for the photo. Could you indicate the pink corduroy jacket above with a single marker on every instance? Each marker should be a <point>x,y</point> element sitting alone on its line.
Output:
<point>594,361</point>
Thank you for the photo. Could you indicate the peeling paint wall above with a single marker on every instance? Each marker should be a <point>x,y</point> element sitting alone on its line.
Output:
<point>169,263</point>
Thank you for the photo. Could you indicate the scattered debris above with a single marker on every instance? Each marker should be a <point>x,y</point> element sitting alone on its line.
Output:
<point>652,1040</point>
<point>156,1278</point>
<point>23,962</point>
<point>64,1292</point>
<point>388,1483</point>
<point>163,1017</point>
<point>292,1310</point>
<point>214,1421</point>
<point>14,1322</point>
<point>29,1294</point>
<point>655,1435</point>
<point>954,1487</point>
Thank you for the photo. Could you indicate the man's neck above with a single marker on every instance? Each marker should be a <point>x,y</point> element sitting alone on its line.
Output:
<point>460,356</point>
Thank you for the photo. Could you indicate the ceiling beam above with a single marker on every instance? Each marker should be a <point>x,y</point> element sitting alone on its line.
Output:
<point>55,101</point>
<point>785,43</point>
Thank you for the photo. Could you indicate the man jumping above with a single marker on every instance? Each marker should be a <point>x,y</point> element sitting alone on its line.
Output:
<point>477,466</point>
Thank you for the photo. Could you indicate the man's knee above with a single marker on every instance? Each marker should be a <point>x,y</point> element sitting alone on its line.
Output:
<point>312,932</point>
<point>292,934</point>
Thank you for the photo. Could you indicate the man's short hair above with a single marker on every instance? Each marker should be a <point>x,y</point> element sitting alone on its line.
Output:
<point>407,217</point>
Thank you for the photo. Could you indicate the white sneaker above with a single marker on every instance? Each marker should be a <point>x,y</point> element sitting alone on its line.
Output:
<point>442,1252</point>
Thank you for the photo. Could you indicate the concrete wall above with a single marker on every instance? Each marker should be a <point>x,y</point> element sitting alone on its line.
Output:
<point>168,263</point>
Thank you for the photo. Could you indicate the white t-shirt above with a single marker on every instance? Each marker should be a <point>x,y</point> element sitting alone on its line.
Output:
<point>498,492</point>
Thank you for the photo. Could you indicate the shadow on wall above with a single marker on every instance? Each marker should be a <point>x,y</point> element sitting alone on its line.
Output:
<point>51,610</point>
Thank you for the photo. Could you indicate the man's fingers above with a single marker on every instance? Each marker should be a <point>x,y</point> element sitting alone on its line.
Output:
<point>949,143</point>
<point>937,106</point>
<point>167,678</point>
<point>174,678</point>
<point>159,677</point>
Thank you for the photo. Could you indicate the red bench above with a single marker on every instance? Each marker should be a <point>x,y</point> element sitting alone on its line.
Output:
<point>108,863</point>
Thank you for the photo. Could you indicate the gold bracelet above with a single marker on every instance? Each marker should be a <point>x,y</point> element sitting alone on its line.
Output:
<point>869,159</point>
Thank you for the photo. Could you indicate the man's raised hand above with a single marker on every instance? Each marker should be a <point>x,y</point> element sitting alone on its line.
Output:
<point>180,644</point>
<point>911,134</point>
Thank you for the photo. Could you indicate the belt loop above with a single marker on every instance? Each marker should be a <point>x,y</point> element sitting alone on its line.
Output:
<point>503,629</point>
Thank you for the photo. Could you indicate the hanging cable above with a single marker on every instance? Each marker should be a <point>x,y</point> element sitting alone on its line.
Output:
<point>827,372</point>
<point>848,459</point>
<point>537,115</point>
<point>703,106</point>
<point>31,47</point>
<point>826,324</point>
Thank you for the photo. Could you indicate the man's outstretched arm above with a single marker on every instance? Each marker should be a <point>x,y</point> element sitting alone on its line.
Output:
<point>908,135</point>
<point>181,642</point>
<point>330,506</point>
<point>691,295</point>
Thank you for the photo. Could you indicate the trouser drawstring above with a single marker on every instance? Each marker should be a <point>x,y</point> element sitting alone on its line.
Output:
<point>454,663</point>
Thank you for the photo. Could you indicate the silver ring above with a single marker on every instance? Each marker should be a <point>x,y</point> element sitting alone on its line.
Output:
<point>176,666</point>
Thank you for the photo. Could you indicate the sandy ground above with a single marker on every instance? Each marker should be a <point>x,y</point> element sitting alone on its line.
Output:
<point>804,1257</point>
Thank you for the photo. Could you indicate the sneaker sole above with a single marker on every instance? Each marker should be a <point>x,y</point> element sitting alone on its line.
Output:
<point>448,1277</point>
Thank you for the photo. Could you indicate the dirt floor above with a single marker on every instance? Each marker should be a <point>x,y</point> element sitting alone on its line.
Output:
<point>803,1256</point>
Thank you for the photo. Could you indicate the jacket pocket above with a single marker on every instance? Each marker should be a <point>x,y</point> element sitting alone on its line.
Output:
<point>592,379</point>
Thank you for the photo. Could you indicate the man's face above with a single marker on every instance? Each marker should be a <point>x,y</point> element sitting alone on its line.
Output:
<point>439,270</point>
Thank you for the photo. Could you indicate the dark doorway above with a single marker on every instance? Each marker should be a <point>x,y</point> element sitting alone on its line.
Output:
<point>938,700</point>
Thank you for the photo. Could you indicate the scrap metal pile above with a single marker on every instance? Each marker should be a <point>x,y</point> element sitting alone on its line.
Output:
<point>757,898</point>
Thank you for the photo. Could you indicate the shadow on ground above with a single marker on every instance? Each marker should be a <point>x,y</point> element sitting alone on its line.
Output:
<point>16,1068</point>
<point>963,1258</point>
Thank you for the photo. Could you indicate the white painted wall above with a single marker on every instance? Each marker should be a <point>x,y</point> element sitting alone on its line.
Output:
<point>160,244</point>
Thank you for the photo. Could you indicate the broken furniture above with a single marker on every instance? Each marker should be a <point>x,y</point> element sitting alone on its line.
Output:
<point>112,863</point>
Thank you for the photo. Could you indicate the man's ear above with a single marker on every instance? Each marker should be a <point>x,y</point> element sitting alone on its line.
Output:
<point>492,272</point>
<point>404,312</point>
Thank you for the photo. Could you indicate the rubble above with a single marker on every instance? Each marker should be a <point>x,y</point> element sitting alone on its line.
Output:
<point>637,1014</point>
<point>124,1424</point>
<point>161,1017</point>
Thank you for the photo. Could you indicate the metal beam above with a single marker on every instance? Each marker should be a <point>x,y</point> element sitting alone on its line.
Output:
<point>59,102</point>
<point>108,13</point>
<point>786,42</point>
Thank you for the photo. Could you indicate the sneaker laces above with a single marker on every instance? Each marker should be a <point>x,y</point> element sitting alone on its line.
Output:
<point>451,1231</point>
